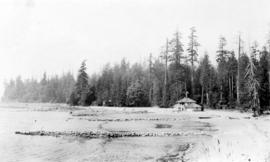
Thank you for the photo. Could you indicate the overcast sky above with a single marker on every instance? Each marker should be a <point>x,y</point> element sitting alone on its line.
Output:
<point>56,35</point>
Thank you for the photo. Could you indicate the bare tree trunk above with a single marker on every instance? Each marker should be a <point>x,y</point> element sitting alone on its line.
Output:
<point>186,92</point>
<point>178,91</point>
<point>230,89</point>
<point>238,73</point>
<point>220,96</point>
<point>150,80</point>
<point>202,95</point>
<point>165,79</point>
<point>192,80</point>
<point>185,87</point>
<point>207,99</point>
<point>192,67</point>
<point>221,93</point>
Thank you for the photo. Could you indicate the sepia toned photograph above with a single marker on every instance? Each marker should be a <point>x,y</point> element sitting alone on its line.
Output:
<point>134,81</point>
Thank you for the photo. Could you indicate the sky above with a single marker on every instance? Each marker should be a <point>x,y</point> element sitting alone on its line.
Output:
<point>54,36</point>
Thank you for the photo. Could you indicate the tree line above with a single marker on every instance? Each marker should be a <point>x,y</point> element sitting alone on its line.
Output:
<point>241,78</point>
<point>53,89</point>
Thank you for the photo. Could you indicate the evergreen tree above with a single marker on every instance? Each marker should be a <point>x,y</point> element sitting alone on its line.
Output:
<point>222,58</point>
<point>232,78</point>
<point>243,89</point>
<point>79,96</point>
<point>43,88</point>
<point>19,88</point>
<point>150,80</point>
<point>176,82</point>
<point>158,82</point>
<point>165,56</point>
<point>192,55</point>
<point>263,79</point>
<point>268,44</point>
<point>124,68</point>
<point>205,80</point>
<point>253,87</point>
<point>10,91</point>
<point>136,95</point>
<point>176,49</point>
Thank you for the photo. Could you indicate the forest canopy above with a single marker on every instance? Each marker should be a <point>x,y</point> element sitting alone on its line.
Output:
<point>239,79</point>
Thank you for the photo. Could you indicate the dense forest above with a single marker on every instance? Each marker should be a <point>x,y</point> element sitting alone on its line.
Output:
<point>48,89</point>
<point>240,78</point>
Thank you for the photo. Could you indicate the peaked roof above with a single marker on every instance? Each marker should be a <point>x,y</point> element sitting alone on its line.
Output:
<point>186,100</point>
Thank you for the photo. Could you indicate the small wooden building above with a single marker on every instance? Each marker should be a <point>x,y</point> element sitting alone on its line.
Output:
<point>187,103</point>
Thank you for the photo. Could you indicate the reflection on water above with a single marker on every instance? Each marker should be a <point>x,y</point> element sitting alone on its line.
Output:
<point>39,148</point>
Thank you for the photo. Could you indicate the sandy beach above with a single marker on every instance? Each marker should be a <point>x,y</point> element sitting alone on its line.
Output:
<point>149,134</point>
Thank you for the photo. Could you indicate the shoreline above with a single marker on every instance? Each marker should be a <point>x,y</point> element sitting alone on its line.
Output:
<point>235,136</point>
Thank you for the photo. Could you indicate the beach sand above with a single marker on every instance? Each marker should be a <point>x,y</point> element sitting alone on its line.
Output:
<point>209,136</point>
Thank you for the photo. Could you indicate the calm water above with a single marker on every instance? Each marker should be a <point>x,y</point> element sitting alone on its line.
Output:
<point>39,148</point>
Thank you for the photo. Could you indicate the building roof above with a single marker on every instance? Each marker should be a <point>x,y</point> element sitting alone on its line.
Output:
<point>186,100</point>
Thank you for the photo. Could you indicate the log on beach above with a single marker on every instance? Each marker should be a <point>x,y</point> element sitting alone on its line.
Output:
<point>103,134</point>
<point>128,119</point>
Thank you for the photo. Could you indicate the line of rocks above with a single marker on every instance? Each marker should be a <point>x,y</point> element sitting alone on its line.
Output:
<point>102,134</point>
<point>129,119</point>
